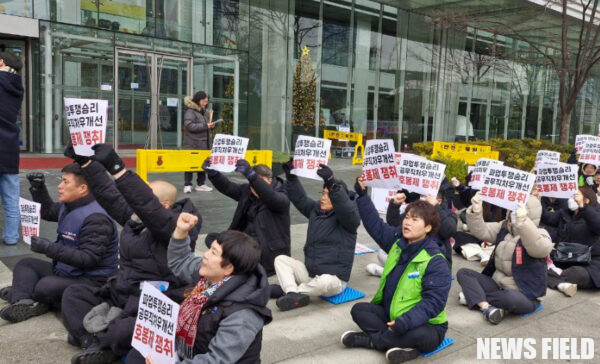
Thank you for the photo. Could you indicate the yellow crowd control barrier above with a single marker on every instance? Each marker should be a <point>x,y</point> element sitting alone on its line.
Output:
<point>469,153</point>
<point>164,160</point>
<point>359,149</point>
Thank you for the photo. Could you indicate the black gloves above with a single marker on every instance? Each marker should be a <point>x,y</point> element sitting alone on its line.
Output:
<point>244,168</point>
<point>36,180</point>
<point>206,167</point>
<point>106,155</point>
<point>327,174</point>
<point>70,153</point>
<point>40,245</point>
<point>287,168</point>
<point>359,191</point>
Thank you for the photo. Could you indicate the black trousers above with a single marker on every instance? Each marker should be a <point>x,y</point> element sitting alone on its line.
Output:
<point>576,274</point>
<point>78,300</point>
<point>188,176</point>
<point>135,357</point>
<point>372,319</point>
<point>34,279</point>
<point>478,287</point>
<point>462,238</point>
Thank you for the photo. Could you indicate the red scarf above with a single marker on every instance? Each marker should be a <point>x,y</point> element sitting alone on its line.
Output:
<point>189,313</point>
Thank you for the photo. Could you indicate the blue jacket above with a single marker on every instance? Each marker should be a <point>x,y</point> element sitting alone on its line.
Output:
<point>436,282</point>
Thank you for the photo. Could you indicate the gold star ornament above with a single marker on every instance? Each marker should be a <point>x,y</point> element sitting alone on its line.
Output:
<point>305,51</point>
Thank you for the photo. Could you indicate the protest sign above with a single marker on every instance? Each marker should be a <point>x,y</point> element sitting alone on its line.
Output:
<point>86,119</point>
<point>546,156</point>
<point>379,165</point>
<point>381,198</point>
<point>308,154</point>
<point>154,331</point>
<point>479,171</point>
<point>226,151</point>
<point>420,175</point>
<point>581,139</point>
<point>30,219</point>
<point>506,187</point>
<point>590,153</point>
<point>557,180</point>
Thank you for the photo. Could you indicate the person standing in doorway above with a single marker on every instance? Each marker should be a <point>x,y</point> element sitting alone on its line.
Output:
<point>197,123</point>
<point>11,97</point>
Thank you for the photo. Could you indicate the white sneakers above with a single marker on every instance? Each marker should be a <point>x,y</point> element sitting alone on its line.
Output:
<point>569,289</point>
<point>462,299</point>
<point>203,188</point>
<point>187,189</point>
<point>374,269</point>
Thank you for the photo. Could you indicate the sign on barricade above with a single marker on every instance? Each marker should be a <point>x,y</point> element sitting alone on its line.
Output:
<point>581,139</point>
<point>420,175</point>
<point>506,187</point>
<point>86,119</point>
<point>557,180</point>
<point>308,154</point>
<point>30,219</point>
<point>590,153</point>
<point>379,166</point>
<point>226,151</point>
<point>480,170</point>
<point>155,326</point>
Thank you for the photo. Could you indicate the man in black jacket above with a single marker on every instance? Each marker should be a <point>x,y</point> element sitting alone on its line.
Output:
<point>330,242</point>
<point>263,209</point>
<point>148,214</point>
<point>85,251</point>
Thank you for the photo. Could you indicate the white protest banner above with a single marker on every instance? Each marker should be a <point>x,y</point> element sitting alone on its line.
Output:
<point>479,171</point>
<point>308,154</point>
<point>581,139</point>
<point>381,198</point>
<point>506,187</point>
<point>379,166</point>
<point>87,120</point>
<point>590,153</point>
<point>420,175</point>
<point>30,219</point>
<point>545,156</point>
<point>557,180</point>
<point>154,332</point>
<point>226,151</point>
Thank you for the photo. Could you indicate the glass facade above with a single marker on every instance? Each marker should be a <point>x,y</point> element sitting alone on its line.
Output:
<point>383,68</point>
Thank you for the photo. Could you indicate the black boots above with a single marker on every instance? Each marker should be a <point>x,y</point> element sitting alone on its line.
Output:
<point>292,300</point>
<point>92,352</point>
<point>23,310</point>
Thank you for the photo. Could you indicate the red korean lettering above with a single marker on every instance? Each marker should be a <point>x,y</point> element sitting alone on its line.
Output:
<point>512,196</point>
<point>138,332</point>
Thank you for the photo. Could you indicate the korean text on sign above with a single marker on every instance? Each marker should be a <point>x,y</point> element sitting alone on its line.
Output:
<point>479,171</point>
<point>155,326</point>
<point>30,219</point>
<point>381,198</point>
<point>557,180</point>
<point>308,154</point>
<point>87,120</point>
<point>546,156</point>
<point>379,166</point>
<point>581,139</point>
<point>590,153</point>
<point>226,151</point>
<point>420,175</point>
<point>506,187</point>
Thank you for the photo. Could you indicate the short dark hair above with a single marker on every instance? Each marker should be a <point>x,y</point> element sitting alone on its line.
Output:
<point>200,95</point>
<point>239,250</point>
<point>589,193</point>
<point>263,170</point>
<point>11,60</point>
<point>76,170</point>
<point>427,212</point>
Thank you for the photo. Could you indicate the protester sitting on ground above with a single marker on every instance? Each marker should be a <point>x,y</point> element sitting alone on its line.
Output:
<point>414,321</point>
<point>550,206</point>
<point>587,176</point>
<point>148,214</point>
<point>330,242</point>
<point>85,251</point>
<point>263,209</point>
<point>579,223</point>
<point>230,284</point>
<point>515,277</point>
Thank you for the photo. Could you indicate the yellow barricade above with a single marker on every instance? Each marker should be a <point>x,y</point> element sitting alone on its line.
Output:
<point>444,148</point>
<point>470,158</point>
<point>359,149</point>
<point>164,160</point>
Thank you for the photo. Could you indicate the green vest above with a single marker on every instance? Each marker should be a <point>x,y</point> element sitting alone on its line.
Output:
<point>408,291</point>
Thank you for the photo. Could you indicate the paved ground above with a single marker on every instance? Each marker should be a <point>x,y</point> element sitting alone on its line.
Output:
<point>311,334</point>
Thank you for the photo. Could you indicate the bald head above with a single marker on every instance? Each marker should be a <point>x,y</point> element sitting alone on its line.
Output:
<point>165,192</point>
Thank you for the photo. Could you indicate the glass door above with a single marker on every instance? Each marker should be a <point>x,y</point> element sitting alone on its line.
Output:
<point>17,47</point>
<point>173,81</point>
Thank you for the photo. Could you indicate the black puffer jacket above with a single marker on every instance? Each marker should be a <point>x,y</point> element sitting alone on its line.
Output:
<point>272,220</point>
<point>11,98</point>
<point>331,236</point>
<point>582,228</point>
<point>143,243</point>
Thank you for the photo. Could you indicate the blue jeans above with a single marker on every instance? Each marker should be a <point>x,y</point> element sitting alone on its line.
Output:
<point>9,193</point>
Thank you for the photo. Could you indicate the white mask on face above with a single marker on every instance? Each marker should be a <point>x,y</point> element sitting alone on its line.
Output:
<point>572,204</point>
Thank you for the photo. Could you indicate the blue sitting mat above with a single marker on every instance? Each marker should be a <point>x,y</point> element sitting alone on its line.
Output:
<point>348,294</point>
<point>539,307</point>
<point>445,343</point>
<point>452,278</point>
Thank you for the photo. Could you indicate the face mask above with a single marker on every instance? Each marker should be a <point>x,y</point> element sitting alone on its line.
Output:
<point>572,204</point>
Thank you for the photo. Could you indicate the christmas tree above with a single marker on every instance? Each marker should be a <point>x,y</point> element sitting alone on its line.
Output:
<point>305,92</point>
